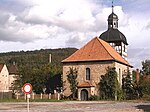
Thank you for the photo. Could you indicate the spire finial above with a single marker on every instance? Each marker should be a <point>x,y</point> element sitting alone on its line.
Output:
<point>112,6</point>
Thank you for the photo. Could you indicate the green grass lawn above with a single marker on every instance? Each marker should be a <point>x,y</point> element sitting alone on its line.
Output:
<point>35,100</point>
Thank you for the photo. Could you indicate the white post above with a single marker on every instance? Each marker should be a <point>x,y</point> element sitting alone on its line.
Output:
<point>41,95</point>
<point>58,96</point>
<point>28,97</point>
<point>25,96</point>
<point>49,96</point>
<point>17,96</point>
<point>28,104</point>
<point>33,95</point>
<point>115,96</point>
<point>50,58</point>
<point>55,94</point>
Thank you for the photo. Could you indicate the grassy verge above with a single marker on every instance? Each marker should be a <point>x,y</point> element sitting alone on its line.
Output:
<point>11,100</point>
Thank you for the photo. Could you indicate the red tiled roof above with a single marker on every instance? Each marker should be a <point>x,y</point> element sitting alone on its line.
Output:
<point>13,69</point>
<point>86,84</point>
<point>96,50</point>
<point>1,67</point>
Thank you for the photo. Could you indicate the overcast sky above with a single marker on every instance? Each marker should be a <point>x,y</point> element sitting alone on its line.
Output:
<point>43,24</point>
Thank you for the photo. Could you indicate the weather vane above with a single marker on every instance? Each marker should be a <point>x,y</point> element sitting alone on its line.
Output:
<point>112,6</point>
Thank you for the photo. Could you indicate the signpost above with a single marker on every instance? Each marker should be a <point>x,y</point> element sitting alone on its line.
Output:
<point>27,89</point>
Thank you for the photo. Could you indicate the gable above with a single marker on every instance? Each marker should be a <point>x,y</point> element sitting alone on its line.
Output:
<point>96,50</point>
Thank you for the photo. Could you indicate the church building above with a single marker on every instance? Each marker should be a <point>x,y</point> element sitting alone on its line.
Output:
<point>91,61</point>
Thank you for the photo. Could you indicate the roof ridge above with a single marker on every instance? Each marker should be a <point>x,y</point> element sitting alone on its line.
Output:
<point>104,47</point>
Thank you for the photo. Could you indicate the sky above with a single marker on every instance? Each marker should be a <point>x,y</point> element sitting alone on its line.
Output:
<point>44,24</point>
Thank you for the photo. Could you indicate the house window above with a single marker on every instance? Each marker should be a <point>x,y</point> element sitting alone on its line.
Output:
<point>87,73</point>
<point>120,75</point>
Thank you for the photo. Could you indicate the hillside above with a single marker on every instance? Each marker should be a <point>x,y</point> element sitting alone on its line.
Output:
<point>34,68</point>
<point>36,57</point>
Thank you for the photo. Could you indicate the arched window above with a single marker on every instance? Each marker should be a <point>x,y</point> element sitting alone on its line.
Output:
<point>87,73</point>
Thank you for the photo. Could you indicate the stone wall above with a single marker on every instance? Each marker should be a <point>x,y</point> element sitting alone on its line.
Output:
<point>97,69</point>
<point>121,71</point>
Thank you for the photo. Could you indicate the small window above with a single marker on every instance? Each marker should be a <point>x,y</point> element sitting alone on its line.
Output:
<point>87,73</point>
<point>120,74</point>
<point>124,47</point>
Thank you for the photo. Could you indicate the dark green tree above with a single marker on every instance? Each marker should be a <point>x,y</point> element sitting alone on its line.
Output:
<point>72,79</point>
<point>128,87</point>
<point>146,67</point>
<point>109,84</point>
<point>136,84</point>
<point>40,77</point>
<point>144,82</point>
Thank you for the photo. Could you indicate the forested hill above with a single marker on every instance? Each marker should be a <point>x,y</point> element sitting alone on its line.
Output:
<point>36,57</point>
<point>34,67</point>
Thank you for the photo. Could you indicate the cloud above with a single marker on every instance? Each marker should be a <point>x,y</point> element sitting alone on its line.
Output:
<point>70,15</point>
<point>137,55</point>
<point>4,18</point>
<point>14,30</point>
<point>148,26</point>
<point>77,39</point>
<point>57,17</point>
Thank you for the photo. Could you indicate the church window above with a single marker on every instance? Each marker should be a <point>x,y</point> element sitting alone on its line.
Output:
<point>120,75</point>
<point>87,73</point>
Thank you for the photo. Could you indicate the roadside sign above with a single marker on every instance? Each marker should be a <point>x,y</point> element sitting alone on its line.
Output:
<point>27,88</point>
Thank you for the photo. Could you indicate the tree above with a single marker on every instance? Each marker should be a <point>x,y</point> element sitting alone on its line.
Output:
<point>40,77</point>
<point>146,67</point>
<point>144,82</point>
<point>72,79</point>
<point>109,84</point>
<point>127,86</point>
<point>145,85</point>
<point>136,84</point>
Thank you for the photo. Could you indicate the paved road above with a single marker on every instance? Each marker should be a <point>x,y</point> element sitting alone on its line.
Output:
<point>77,106</point>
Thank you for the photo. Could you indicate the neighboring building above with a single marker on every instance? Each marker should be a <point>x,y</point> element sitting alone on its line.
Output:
<point>92,60</point>
<point>4,78</point>
<point>7,77</point>
<point>13,75</point>
<point>114,37</point>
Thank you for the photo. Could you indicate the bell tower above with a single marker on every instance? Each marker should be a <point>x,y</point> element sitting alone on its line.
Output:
<point>113,36</point>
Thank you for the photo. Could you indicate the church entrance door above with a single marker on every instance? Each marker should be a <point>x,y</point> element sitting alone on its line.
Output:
<point>84,95</point>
